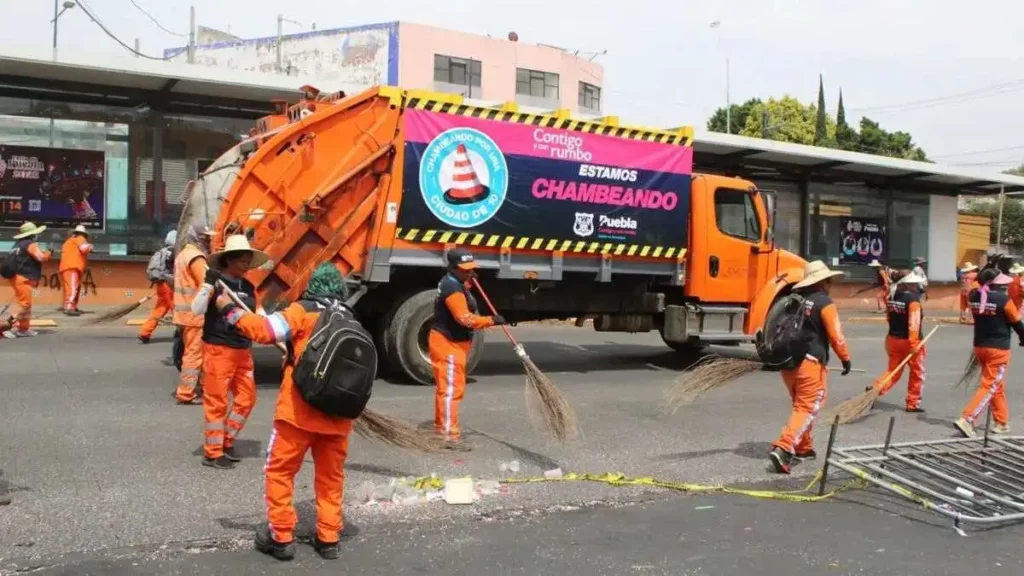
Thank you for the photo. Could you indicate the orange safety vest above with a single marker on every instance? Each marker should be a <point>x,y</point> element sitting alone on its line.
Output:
<point>185,288</point>
<point>72,257</point>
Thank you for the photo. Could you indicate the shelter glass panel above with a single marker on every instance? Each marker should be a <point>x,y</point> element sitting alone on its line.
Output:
<point>831,205</point>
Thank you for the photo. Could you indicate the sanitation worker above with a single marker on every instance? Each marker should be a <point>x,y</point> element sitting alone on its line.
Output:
<point>160,272</point>
<point>190,268</point>
<point>227,353</point>
<point>74,257</point>
<point>26,267</point>
<point>1015,290</point>
<point>905,315</point>
<point>298,427</point>
<point>968,282</point>
<point>807,380</point>
<point>994,317</point>
<point>883,282</point>
<point>450,339</point>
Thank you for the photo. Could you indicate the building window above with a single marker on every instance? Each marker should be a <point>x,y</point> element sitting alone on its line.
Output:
<point>736,216</point>
<point>832,204</point>
<point>536,84</point>
<point>461,75</point>
<point>787,213</point>
<point>590,97</point>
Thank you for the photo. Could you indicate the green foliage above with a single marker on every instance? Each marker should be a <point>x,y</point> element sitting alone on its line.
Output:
<point>874,140</point>
<point>786,120</point>
<point>738,117</point>
<point>1013,218</point>
<point>821,121</point>
<point>846,137</point>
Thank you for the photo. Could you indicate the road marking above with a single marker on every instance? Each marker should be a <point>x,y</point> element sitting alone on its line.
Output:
<point>577,347</point>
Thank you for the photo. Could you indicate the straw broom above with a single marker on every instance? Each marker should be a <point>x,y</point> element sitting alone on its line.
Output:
<point>544,400</point>
<point>857,407</point>
<point>707,374</point>
<point>971,370</point>
<point>119,312</point>
<point>372,425</point>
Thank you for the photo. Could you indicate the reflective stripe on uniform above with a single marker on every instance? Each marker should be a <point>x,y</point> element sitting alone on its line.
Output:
<point>279,326</point>
<point>214,426</point>
<point>214,440</point>
<point>449,393</point>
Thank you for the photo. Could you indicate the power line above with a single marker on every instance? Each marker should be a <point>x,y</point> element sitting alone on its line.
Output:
<point>977,152</point>
<point>155,21</point>
<point>88,12</point>
<point>982,92</point>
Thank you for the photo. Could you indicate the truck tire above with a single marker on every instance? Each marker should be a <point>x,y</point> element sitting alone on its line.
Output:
<point>405,339</point>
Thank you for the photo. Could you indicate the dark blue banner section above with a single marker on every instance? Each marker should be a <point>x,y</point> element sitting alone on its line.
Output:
<point>467,189</point>
<point>862,240</point>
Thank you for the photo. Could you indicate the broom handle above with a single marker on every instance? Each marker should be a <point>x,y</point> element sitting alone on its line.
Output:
<point>238,301</point>
<point>892,372</point>
<point>508,333</point>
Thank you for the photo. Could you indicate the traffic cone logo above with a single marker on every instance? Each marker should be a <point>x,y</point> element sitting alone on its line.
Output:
<point>466,186</point>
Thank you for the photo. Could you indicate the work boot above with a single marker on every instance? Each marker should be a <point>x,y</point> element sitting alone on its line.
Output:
<point>1000,429</point>
<point>965,428</point>
<point>807,455</point>
<point>458,445</point>
<point>915,410</point>
<point>229,453</point>
<point>72,313</point>
<point>780,460</point>
<point>326,550</point>
<point>266,544</point>
<point>222,463</point>
<point>8,334</point>
<point>26,333</point>
<point>143,339</point>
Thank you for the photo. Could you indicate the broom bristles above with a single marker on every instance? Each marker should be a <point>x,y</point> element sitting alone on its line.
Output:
<point>378,427</point>
<point>709,373</point>
<point>855,408</point>
<point>970,371</point>
<point>547,404</point>
<point>117,313</point>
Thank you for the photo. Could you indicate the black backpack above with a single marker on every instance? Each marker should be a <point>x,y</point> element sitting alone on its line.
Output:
<point>785,344</point>
<point>12,264</point>
<point>335,372</point>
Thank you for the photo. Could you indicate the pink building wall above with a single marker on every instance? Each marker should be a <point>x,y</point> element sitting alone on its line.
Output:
<point>499,59</point>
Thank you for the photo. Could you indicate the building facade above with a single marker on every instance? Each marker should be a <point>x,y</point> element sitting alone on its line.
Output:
<point>421,57</point>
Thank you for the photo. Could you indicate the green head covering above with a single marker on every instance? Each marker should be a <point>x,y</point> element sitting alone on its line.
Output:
<point>326,282</point>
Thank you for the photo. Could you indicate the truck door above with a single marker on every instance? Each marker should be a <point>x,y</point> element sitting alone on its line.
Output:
<point>735,242</point>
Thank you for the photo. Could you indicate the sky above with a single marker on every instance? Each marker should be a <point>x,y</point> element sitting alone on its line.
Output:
<point>947,72</point>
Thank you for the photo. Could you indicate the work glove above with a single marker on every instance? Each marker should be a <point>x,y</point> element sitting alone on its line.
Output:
<point>499,320</point>
<point>847,366</point>
<point>211,277</point>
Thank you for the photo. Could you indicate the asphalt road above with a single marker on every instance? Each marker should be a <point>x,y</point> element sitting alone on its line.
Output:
<point>105,475</point>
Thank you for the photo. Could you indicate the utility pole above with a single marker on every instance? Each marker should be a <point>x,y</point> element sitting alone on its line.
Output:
<point>137,48</point>
<point>280,30</point>
<point>728,100</point>
<point>191,34</point>
<point>55,15</point>
<point>999,225</point>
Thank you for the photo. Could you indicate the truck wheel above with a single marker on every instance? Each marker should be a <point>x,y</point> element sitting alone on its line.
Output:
<point>405,340</point>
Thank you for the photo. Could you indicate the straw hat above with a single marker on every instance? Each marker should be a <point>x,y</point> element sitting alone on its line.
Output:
<point>911,278</point>
<point>1016,268</point>
<point>875,264</point>
<point>1001,280</point>
<point>239,243</point>
<point>80,230</point>
<point>969,267</point>
<point>816,272</point>
<point>29,229</point>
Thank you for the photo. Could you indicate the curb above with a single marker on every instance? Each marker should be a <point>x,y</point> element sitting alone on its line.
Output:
<point>43,323</point>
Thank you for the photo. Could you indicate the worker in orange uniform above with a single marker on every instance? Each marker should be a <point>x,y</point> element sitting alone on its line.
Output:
<point>190,268</point>
<point>883,281</point>
<point>450,339</point>
<point>994,317</point>
<point>968,282</point>
<point>74,257</point>
<point>26,259</point>
<point>806,377</point>
<point>1015,290</point>
<point>905,315</point>
<point>227,353</point>
<point>160,272</point>
<point>298,426</point>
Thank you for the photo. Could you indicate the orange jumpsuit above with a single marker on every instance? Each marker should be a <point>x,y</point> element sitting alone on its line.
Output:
<point>449,342</point>
<point>968,282</point>
<point>164,294</point>
<point>298,428</point>
<point>808,382</point>
<point>903,338</point>
<point>25,281</point>
<point>1015,291</point>
<point>882,297</point>
<point>73,260</point>
<point>189,270</point>
<point>992,324</point>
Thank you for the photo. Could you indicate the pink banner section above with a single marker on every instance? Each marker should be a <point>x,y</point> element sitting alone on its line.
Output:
<point>556,144</point>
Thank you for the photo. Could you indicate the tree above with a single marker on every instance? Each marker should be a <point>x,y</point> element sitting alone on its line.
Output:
<point>874,140</point>
<point>1018,171</point>
<point>1013,219</point>
<point>846,137</point>
<point>737,117</point>
<point>786,120</point>
<point>821,122</point>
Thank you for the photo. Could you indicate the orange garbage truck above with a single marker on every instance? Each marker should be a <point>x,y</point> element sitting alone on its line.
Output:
<point>567,218</point>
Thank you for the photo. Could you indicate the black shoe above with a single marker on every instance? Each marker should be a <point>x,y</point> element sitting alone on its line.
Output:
<point>5,500</point>
<point>809,455</point>
<point>222,463</point>
<point>780,460</point>
<point>281,550</point>
<point>72,313</point>
<point>458,446</point>
<point>143,340</point>
<point>326,550</point>
<point>229,453</point>
<point>917,410</point>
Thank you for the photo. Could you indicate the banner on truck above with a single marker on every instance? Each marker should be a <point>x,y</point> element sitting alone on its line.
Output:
<point>480,176</point>
<point>861,240</point>
<point>55,187</point>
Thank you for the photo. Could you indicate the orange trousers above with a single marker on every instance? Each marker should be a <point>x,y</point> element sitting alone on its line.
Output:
<point>164,304</point>
<point>71,282</point>
<point>22,310</point>
<point>191,363</point>
<point>898,349</point>
<point>226,370</point>
<point>285,452</point>
<point>449,362</point>
<point>806,384</point>
<point>992,388</point>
